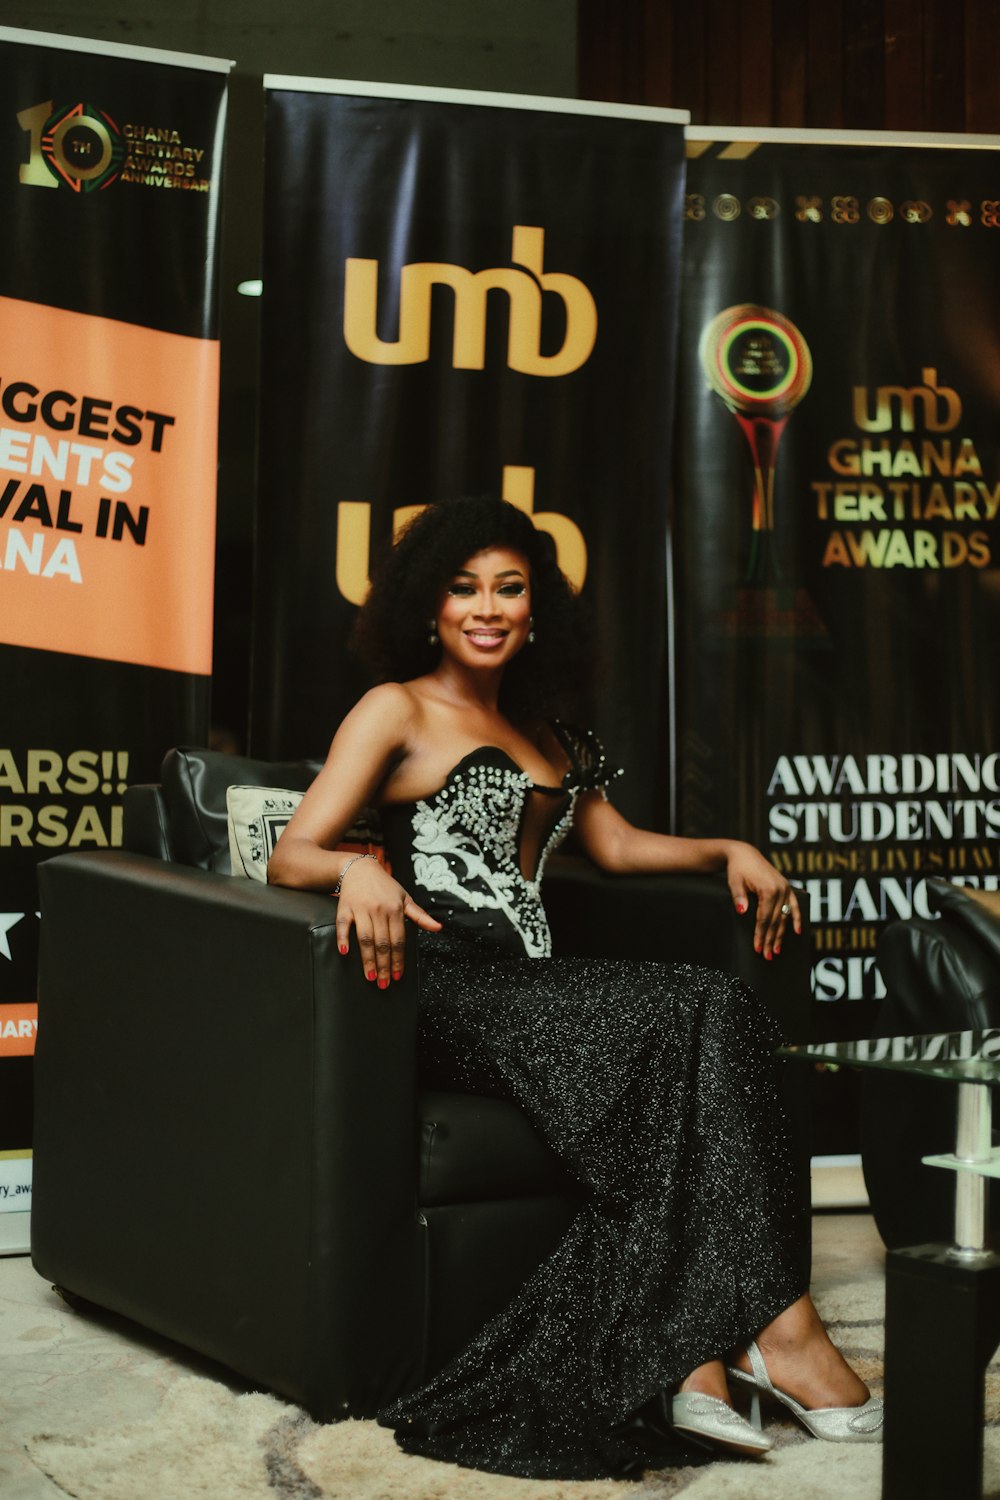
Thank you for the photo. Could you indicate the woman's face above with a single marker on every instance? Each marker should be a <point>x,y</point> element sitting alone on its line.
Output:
<point>484,613</point>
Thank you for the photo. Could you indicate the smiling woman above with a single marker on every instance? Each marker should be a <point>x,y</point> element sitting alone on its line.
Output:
<point>486,609</point>
<point>652,1082</point>
<point>394,629</point>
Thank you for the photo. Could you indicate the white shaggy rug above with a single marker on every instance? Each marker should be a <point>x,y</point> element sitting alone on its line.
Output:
<point>208,1441</point>
<point>203,1439</point>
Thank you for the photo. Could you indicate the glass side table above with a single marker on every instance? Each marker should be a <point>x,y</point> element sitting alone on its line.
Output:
<point>942,1302</point>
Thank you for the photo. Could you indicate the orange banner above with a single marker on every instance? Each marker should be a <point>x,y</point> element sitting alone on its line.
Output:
<point>18,1026</point>
<point>108,444</point>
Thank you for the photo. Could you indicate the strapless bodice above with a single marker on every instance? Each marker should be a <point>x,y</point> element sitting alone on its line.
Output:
<point>462,852</point>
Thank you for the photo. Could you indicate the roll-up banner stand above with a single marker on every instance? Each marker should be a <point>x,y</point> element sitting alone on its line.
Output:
<point>836,524</point>
<point>465,293</point>
<point>110,177</point>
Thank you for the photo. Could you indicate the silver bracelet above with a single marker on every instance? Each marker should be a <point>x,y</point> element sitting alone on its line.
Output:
<point>336,889</point>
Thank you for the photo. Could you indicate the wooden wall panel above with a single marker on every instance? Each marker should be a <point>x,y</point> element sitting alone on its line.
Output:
<point>982,67</point>
<point>944,65</point>
<point>723,82</point>
<point>862,64</point>
<point>904,65</point>
<point>600,51</point>
<point>824,65</point>
<point>690,60</point>
<point>789,62</point>
<point>658,42</point>
<point>756,62</point>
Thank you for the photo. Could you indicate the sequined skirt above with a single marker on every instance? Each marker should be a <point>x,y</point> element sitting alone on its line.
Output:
<point>655,1085</point>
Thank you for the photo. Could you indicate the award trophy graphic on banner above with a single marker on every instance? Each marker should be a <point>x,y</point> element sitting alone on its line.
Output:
<point>758,362</point>
<point>760,365</point>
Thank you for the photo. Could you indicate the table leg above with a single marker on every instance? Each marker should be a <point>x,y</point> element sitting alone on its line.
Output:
<point>942,1326</point>
<point>974,1143</point>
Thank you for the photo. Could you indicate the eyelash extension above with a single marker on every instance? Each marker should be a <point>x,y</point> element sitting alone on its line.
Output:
<point>506,590</point>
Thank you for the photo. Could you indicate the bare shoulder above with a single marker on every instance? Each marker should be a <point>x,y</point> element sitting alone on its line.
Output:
<point>386,712</point>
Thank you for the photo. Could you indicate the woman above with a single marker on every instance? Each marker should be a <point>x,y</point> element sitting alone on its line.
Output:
<point>652,1082</point>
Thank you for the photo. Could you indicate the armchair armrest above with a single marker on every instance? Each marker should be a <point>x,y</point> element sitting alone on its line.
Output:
<point>225,1126</point>
<point>676,919</point>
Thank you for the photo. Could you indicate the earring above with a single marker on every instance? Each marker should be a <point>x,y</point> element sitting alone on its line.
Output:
<point>531,630</point>
<point>432,632</point>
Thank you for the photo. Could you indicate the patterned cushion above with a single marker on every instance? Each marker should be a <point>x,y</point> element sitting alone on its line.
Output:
<point>257,819</point>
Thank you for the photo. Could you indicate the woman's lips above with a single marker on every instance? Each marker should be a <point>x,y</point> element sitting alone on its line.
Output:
<point>486,638</point>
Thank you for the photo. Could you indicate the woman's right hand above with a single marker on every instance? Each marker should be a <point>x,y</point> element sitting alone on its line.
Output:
<point>377,907</point>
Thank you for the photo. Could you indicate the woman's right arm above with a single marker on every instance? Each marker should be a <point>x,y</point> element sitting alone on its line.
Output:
<point>372,738</point>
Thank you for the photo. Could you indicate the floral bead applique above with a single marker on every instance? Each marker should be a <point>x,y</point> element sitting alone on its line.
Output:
<point>465,844</point>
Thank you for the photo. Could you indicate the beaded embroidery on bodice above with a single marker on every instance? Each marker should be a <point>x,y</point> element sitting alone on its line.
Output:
<point>466,841</point>
<point>460,849</point>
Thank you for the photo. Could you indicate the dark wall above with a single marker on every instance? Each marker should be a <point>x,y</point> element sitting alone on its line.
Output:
<point>857,64</point>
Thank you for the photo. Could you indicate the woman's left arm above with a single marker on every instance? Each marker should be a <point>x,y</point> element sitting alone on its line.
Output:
<point>614,844</point>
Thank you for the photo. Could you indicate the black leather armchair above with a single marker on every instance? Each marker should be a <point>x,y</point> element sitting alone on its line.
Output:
<point>941,974</point>
<point>232,1143</point>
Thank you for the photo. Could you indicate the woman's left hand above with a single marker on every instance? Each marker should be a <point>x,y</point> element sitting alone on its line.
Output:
<point>750,874</point>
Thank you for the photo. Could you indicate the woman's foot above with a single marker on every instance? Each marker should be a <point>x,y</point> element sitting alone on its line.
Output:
<point>803,1362</point>
<point>708,1380</point>
<point>703,1409</point>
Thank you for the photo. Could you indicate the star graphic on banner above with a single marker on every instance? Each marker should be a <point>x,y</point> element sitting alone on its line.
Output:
<point>9,919</point>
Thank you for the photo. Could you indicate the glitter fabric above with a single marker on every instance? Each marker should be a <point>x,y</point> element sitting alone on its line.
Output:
<point>654,1084</point>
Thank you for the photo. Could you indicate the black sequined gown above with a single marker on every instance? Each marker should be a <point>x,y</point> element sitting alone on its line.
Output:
<point>653,1083</point>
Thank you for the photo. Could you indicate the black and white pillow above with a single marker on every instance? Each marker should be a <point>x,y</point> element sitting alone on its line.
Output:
<point>257,818</point>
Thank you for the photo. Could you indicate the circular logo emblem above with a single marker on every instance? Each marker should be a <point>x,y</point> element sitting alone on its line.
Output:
<point>726,207</point>
<point>756,360</point>
<point>83,147</point>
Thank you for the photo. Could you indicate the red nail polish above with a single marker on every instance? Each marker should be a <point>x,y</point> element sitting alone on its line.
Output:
<point>343,947</point>
<point>383,984</point>
<point>397,973</point>
<point>741,907</point>
<point>777,948</point>
<point>369,973</point>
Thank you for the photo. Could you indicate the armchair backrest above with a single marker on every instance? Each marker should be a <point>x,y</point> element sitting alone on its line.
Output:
<point>943,974</point>
<point>184,819</point>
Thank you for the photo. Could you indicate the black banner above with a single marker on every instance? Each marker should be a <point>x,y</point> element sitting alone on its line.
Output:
<point>837,535</point>
<point>110,177</point>
<point>465,297</point>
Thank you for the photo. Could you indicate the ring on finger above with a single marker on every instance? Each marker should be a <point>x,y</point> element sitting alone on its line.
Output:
<point>786,909</point>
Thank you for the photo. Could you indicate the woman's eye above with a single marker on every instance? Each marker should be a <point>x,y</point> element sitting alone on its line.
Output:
<point>511,591</point>
<point>460,590</point>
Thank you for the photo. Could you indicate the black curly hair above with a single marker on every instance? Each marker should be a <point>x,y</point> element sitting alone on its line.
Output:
<point>546,679</point>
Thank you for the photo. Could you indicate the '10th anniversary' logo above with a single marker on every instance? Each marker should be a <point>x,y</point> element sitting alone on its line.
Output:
<point>81,147</point>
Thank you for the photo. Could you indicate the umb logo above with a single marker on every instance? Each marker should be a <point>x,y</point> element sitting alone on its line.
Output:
<point>77,144</point>
<point>354,533</point>
<point>525,284</point>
